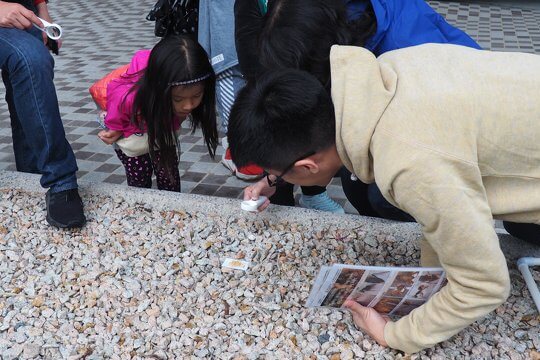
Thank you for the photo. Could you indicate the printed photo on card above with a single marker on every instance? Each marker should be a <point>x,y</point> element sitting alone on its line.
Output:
<point>428,283</point>
<point>343,287</point>
<point>394,291</point>
<point>362,298</point>
<point>375,281</point>
<point>235,264</point>
<point>385,305</point>
<point>406,307</point>
<point>402,284</point>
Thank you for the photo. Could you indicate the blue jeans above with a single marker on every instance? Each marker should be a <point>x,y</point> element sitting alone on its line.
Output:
<point>39,140</point>
<point>368,200</point>
<point>527,232</point>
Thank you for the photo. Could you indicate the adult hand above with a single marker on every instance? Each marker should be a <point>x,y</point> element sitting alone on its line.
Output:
<point>368,320</point>
<point>109,136</point>
<point>261,187</point>
<point>13,15</point>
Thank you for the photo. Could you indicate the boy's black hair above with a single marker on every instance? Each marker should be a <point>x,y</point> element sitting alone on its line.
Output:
<point>175,58</point>
<point>281,116</point>
<point>299,34</point>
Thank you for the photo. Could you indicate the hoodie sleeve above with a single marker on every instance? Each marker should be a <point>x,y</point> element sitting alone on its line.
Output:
<point>447,198</point>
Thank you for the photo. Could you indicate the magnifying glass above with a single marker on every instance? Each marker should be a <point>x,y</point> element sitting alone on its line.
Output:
<point>53,31</point>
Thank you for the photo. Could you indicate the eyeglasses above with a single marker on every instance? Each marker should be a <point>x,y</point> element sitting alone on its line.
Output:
<point>278,181</point>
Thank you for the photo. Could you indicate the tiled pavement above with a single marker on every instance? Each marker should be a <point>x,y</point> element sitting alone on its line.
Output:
<point>102,35</point>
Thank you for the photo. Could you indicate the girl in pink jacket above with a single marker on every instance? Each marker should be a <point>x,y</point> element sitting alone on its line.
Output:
<point>147,105</point>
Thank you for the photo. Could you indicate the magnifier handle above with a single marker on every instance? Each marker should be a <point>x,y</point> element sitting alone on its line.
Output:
<point>45,22</point>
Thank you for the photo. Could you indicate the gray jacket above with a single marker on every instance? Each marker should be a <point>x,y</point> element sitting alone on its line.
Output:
<point>216,33</point>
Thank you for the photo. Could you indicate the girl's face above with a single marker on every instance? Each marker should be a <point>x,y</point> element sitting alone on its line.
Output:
<point>186,98</point>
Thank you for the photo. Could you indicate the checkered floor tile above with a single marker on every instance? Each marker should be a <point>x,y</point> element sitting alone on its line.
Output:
<point>102,35</point>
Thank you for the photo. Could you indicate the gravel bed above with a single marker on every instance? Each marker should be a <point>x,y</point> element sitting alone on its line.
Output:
<point>143,282</point>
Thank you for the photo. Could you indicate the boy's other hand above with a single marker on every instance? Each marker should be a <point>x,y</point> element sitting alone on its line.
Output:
<point>261,187</point>
<point>368,320</point>
<point>13,15</point>
<point>109,136</point>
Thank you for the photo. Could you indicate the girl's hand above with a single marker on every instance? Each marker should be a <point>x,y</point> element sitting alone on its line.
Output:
<point>109,136</point>
<point>261,187</point>
<point>368,320</point>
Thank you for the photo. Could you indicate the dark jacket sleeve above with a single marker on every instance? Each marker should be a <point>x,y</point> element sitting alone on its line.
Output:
<point>248,21</point>
<point>29,4</point>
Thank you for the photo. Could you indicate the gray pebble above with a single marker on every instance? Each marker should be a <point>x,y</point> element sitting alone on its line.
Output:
<point>139,282</point>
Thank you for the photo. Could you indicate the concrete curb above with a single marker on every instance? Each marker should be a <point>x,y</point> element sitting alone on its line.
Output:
<point>215,206</point>
<point>210,205</point>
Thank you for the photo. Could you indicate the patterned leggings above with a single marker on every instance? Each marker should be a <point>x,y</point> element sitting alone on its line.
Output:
<point>139,171</point>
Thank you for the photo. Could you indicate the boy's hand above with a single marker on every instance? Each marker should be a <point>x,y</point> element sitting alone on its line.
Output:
<point>368,320</point>
<point>261,187</point>
<point>109,136</point>
<point>13,15</point>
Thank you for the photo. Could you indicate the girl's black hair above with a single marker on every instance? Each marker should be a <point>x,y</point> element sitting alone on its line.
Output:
<point>299,34</point>
<point>176,58</point>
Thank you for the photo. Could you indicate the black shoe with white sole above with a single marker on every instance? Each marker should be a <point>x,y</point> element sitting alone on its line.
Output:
<point>65,209</point>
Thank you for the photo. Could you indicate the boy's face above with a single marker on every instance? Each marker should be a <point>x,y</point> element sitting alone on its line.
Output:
<point>303,177</point>
<point>316,170</point>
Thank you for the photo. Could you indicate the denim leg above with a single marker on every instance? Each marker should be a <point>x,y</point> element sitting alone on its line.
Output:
<point>357,193</point>
<point>368,200</point>
<point>527,232</point>
<point>384,208</point>
<point>39,139</point>
<point>313,190</point>
<point>25,161</point>
<point>284,195</point>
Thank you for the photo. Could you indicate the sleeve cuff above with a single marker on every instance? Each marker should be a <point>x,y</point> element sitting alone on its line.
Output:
<point>393,340</point>
<point>37,2</point>
<point>113,127</point>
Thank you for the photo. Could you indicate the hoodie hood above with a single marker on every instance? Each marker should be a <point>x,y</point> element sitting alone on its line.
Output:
<point>405,23</point>
<point>362,88</point>
<point>382,14</point>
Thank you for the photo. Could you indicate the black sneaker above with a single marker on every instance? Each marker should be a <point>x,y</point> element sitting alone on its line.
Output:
<point>65,209</point>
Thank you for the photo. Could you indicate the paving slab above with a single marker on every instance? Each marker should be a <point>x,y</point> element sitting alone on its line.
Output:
<point>103,35</point>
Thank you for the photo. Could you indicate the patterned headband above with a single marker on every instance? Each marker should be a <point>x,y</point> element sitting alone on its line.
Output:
<point>176,83</point>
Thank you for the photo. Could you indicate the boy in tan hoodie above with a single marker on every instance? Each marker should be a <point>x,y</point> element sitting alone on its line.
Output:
<point>449,134</point>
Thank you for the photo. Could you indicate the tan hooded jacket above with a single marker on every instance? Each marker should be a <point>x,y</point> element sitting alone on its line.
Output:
<point>451,135</point>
